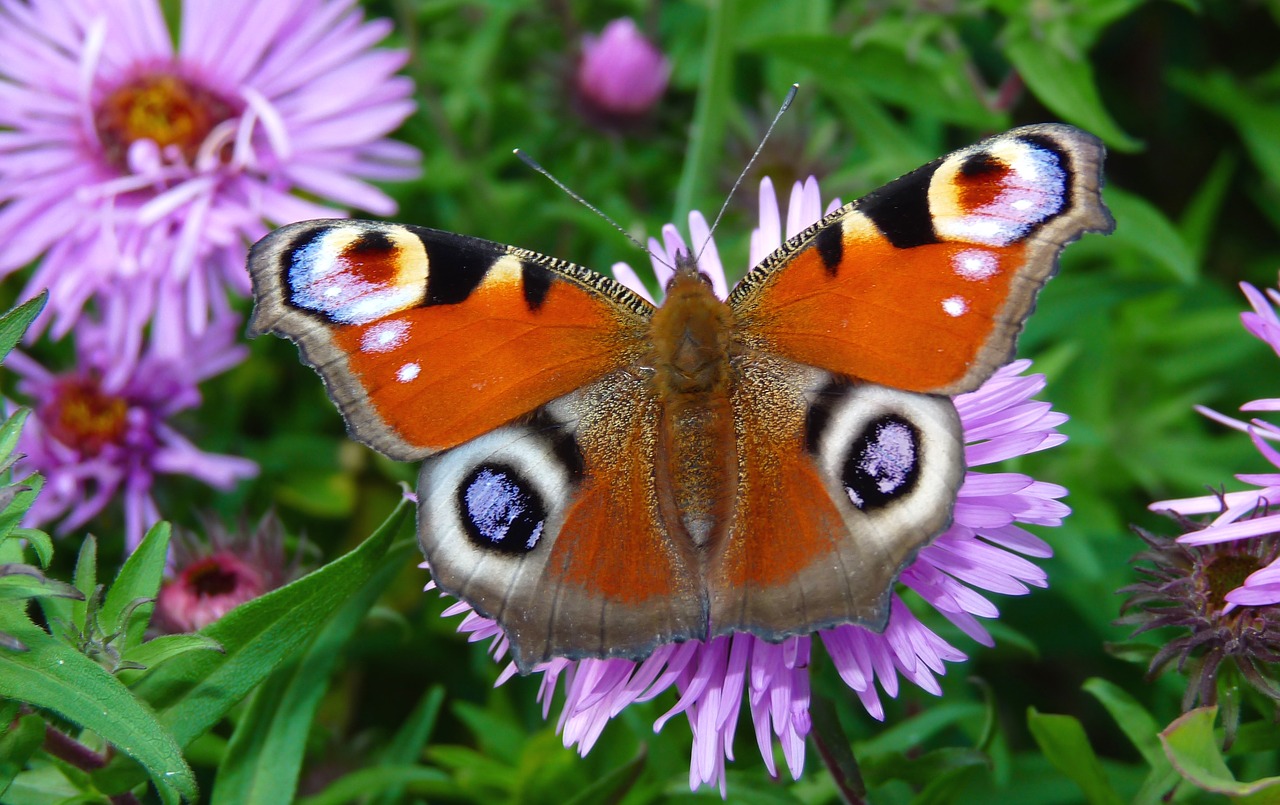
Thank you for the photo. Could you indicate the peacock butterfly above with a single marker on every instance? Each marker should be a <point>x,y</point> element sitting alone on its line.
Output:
<point>601,476</point>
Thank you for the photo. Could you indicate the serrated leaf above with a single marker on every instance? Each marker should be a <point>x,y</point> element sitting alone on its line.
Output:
<point>266,751</point>
<point>1067,86</point>
<point>54,676</point>
<point>1192,747</point>
<point>1064,743</point>
<point>139,578</point>
<point>14,324</point>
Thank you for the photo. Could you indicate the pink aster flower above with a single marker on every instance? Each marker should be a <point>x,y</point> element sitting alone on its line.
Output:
<point>1253,512</point>
<point>982,550</point>
<point>126,156</point>
<point>101,430</point>
<point>216,574</point>
<point>621,75</point>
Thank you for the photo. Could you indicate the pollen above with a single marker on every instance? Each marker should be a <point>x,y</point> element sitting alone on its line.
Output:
<point>84,417</point>
<point>165,108</point>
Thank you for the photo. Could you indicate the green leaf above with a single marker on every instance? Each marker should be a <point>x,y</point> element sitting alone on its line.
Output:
<point>1132,718</point>
<point>266,751</point>
<point>1140,728</point>
<point>39,541</point>
<point>10,431</point>
<point>139,578</point>
<point>12,514</point>
<point>1066,85</point>
<point>1064,743</point>
<point>922,81</point>
<point>14,324</point>
<point>161,649</point>
<point>613,785</point>
<point>86,580</point>
<point>17,745</point>
<point>1192,747</point>
<point>406,747</point>
<point>1144,229</point>
<point>417,779</point>
<point>53,675</point>
<point>27,581</point>
<point>1198,219</point>
<point>192,693</point>
<point>1254,117</point>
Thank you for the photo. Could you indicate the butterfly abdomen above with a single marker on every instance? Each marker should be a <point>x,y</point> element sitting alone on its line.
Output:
<point>697,467</point>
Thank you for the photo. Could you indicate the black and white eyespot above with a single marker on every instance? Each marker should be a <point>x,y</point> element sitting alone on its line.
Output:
<point>893,455</point>
<point>497,495</point>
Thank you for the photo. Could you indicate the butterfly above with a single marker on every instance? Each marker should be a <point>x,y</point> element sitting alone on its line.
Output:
<point>601,476</point>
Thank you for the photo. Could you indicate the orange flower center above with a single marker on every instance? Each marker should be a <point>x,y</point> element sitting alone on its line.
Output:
<point>83,417</point>
<point>161,107</point>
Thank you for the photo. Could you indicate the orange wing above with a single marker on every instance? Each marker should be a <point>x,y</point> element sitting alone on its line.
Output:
<point>427,339</point>
<point>924,284</point>
<point>551,527</point>
<point>840,486</point>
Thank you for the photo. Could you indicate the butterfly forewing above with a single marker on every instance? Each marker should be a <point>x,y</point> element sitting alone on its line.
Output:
<point>427,339</point>
<point>925,284</point>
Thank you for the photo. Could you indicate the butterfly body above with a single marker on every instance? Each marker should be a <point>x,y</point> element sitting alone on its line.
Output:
<point>601,476</point>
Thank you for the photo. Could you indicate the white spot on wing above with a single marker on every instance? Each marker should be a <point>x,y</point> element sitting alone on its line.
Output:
<point>955,306</point>
<point>408,372</point>
<point>384,336</point>
<point>889,459</point>
<point>975,264</point>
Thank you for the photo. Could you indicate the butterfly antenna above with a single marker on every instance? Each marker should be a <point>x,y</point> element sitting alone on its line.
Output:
<point>533,163</point>
<point>786,103</point>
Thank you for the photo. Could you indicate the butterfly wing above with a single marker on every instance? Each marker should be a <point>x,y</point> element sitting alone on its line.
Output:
<point>924,284</point>
<point>840,485</point>
<point>428,339</point>
<point>850,458</point>
<point>552,528</point>
<point>502,368</point>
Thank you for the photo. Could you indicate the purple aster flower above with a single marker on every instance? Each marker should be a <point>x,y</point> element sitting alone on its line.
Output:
<point>125,156</point>
<point>1254,512</point>
<point>620,76</point>
<point>983,549</point>
<point>101,430</point>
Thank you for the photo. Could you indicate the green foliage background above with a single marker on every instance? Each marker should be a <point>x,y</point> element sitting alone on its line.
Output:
<point>1136,329</point>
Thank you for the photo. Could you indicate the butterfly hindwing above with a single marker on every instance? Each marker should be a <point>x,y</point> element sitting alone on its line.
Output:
<point>551,527</point>
<point>840,486</point>
<point>427,339</point>
<point>924,284</point>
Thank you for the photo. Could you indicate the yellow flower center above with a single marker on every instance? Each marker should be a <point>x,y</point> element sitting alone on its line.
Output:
<point>162,107</point>
<point>84,417</point>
